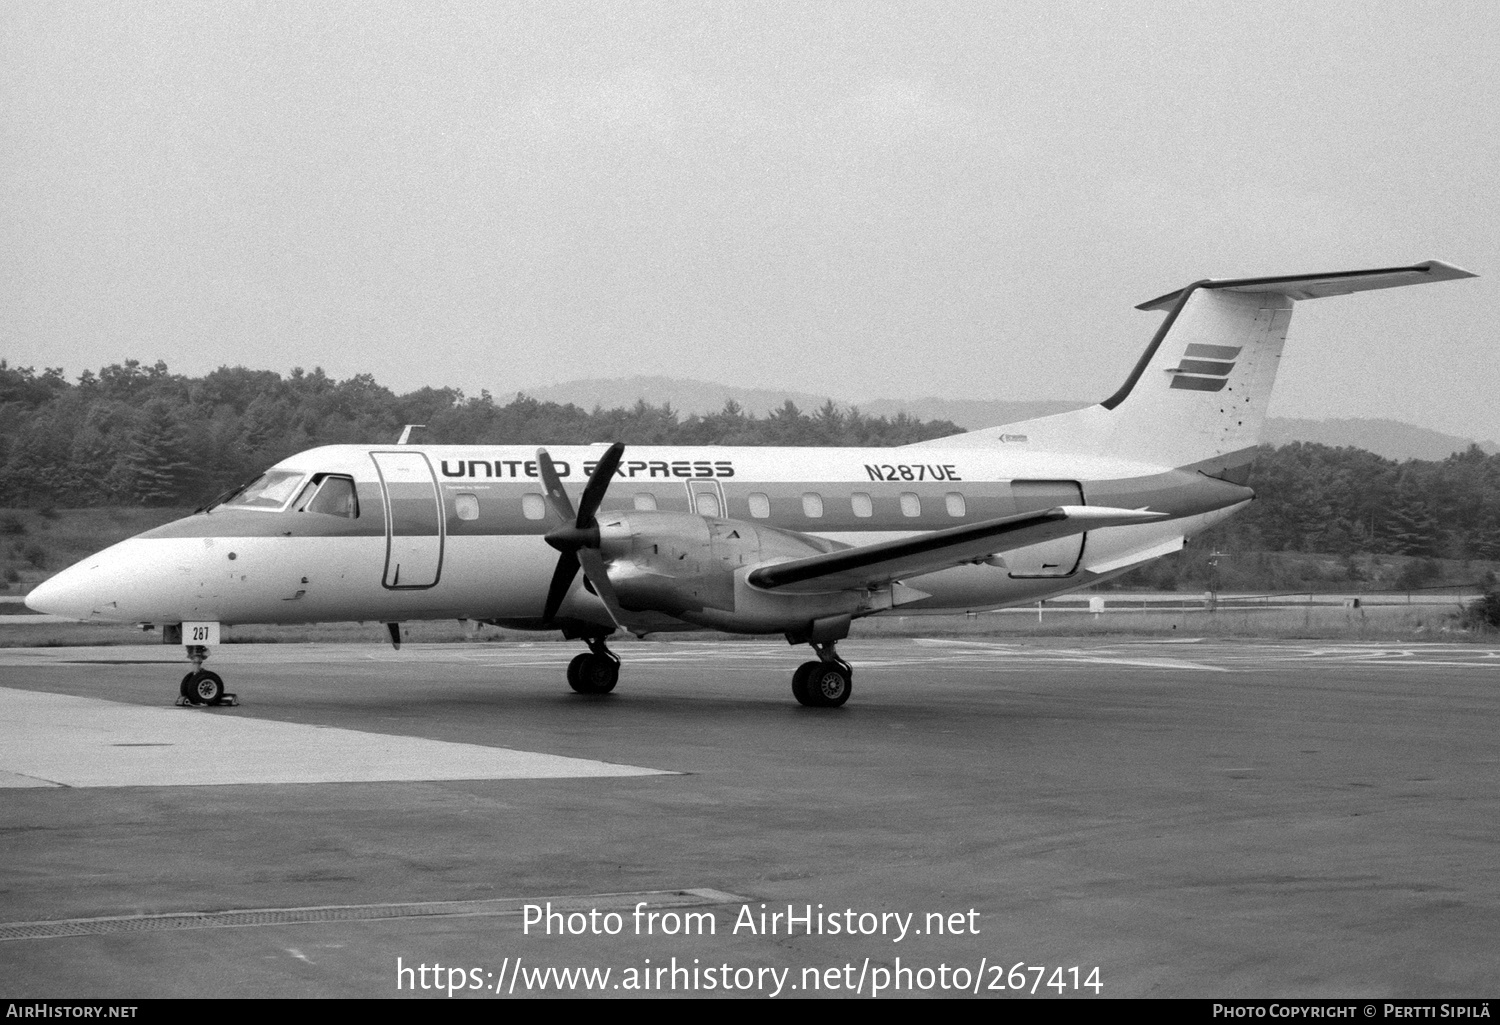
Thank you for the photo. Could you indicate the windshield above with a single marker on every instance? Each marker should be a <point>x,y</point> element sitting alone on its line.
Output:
<point>271,491</point>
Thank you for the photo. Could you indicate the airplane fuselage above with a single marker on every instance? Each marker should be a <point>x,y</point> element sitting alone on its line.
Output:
<point>457,531</point>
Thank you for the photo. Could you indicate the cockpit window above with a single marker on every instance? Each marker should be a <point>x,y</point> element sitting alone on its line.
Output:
<point>330,495</point>
<point>269,492</point>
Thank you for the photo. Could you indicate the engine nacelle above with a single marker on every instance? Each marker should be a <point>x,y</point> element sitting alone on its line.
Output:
<point>694,568</point>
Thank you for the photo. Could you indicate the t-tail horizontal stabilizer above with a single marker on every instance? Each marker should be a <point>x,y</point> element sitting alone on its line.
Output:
<point>1320,286</point>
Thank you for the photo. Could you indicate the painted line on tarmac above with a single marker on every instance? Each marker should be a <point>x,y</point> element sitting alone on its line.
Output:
<point>1067,655</point>
<point>58,740</point>
<point>963,653</point>
<point>16,781</point>
<point>658,901</point>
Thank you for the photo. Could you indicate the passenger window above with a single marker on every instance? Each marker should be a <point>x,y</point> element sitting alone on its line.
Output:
<point>646,502</point>
<point>863,507</point>
<point>760,506</point>
<point>707,503</point>
<point>955,503</point>
<point>466,506</point>
<point>533,506</point>
<point>911,505</point>
<point>812,505</point>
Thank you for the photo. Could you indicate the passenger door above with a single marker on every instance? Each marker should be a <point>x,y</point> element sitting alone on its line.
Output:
<point>413,520</point>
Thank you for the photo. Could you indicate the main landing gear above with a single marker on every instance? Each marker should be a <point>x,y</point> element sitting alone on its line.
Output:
<point>595,671</point>
<point>826,683</point>
<point>202,687</point>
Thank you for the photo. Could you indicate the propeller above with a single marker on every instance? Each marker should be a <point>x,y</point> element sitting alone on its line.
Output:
<point>578,536</point>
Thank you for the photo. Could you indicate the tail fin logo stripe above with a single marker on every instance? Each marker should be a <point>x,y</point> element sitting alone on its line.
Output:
<point>1220,352</point>
<point>1200,383</point>
<point>1204,366</point>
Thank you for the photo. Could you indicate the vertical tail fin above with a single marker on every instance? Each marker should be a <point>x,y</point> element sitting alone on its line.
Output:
<point>1202,388</point>
<point>1198,396</point>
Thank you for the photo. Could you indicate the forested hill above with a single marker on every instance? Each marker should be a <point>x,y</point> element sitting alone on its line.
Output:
<point>141,435</point>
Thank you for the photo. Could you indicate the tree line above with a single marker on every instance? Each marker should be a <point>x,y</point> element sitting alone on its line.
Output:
<point>137,435</point>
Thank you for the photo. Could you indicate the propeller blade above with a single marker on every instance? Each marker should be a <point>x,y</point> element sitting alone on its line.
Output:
<point>594,569</point>
<point>577,538</point>
<point>598,483</point>
<point>562,581</point>
<point>555,493</point>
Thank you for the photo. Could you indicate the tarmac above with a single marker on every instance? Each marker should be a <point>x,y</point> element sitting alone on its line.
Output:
<point>1058,818</point>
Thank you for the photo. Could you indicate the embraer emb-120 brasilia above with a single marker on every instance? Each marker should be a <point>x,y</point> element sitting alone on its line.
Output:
<point>793,541</point>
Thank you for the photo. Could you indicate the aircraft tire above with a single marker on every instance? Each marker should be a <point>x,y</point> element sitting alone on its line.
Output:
<point>186,690</point>
<point>594,674</point>
<point>601,674</point>
<point>799,682</point>
<point>575,679</point>
<point>208,689</point>
<point>830,686</point>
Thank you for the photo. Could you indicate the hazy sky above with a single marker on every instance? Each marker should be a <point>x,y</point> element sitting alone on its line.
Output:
<point>854,199</point>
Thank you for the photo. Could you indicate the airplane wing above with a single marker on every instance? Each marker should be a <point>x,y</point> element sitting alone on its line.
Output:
<point>879,564</point>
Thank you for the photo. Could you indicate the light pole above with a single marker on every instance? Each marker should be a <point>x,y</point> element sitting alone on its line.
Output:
<point>1213,578</point>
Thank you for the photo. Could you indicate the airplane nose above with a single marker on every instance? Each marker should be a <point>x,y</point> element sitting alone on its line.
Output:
<point>134,581</point>
<point>65,594</point>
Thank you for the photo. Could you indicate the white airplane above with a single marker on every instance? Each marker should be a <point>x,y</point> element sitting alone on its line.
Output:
<point>793,541</point>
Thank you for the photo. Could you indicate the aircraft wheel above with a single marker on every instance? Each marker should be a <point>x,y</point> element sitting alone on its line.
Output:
<point>594,674</point>
<point>600,674</point>
<point>799,682</point>
<point>208,689</point>
<point>574,668</point>
<point>829,686</point>
<point>186,690</point>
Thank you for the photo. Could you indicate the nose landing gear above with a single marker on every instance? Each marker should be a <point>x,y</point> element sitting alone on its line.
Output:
<point>202,687</point>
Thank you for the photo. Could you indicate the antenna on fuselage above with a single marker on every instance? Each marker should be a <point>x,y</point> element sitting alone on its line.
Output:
<point>406,433</point>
